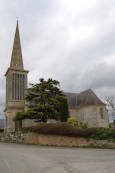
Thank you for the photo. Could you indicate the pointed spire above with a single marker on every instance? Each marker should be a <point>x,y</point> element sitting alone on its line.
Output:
<point>16,58</point>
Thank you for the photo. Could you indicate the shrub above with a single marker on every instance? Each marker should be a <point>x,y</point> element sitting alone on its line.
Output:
<point>104,134</point>
<point>84,125</point>
<point>63,129</point>
<point>73,121</point>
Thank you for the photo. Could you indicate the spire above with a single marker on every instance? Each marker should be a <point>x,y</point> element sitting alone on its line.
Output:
<point>16,58</point>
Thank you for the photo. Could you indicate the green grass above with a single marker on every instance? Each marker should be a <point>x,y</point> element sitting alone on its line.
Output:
<point>92,147</point>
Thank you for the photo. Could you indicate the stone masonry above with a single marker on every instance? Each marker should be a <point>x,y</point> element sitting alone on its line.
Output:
<point>16,83</point>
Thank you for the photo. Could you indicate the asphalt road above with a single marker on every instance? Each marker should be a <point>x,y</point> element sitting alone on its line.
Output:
<point>15,158</point>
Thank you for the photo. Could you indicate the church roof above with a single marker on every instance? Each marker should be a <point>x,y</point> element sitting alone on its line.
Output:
<point>84,98</point>
<point>88,97</point>
<point>16,58</point>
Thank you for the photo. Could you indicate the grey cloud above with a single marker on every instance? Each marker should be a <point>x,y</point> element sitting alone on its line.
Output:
<point>99,76</point>
<point>70,41</point>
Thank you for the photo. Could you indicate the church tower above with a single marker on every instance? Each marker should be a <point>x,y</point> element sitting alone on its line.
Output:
<point>16,83</point>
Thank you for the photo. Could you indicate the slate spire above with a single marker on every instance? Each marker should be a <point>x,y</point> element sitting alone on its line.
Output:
<point>16,58</point>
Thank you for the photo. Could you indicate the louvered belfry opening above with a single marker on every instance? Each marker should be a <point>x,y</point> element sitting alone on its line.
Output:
<point>16,76</point>
<point>16,86</point>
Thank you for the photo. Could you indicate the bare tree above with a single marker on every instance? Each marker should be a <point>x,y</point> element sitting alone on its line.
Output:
<point>110,100</point>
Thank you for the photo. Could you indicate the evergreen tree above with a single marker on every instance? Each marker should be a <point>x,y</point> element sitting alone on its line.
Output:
<point>63,109</point>
<point>43,101</point>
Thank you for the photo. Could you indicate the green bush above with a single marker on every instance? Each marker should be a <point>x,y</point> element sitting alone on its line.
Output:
<point>104,134</point>
<point>84,125</point>
<point>73,121</point>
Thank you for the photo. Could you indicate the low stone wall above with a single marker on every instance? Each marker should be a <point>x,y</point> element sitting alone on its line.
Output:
<point>10,137</point>
<point>55,140</point>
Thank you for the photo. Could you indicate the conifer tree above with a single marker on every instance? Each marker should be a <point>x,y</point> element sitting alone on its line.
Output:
<point>43,101</point>
<point>63,109</point>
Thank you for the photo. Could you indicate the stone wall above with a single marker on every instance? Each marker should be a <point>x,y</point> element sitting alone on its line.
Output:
<point>55,140</point>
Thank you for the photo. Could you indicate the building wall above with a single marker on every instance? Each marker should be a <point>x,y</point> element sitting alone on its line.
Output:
<point>95,116</point>
<point>9,124</point>
<point>16,83</point>
<point>87,114</point>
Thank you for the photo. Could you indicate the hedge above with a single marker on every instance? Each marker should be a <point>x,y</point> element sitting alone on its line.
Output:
<point>104,134</point>
<point>63,129</point>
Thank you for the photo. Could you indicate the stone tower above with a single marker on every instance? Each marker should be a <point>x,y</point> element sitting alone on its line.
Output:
<point>16,83</point>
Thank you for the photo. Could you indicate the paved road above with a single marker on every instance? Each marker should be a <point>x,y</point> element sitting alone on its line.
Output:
<point>16,158</point>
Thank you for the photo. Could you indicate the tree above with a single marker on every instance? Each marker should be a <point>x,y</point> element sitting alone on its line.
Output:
<point>43,101</point>
<point>63,110</point>
<point>110,100</point>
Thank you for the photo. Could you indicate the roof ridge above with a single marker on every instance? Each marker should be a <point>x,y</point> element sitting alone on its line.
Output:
<point>86,91</point>
<point>88,97</point>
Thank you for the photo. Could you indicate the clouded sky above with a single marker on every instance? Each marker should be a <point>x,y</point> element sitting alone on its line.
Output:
<point>69,40</point>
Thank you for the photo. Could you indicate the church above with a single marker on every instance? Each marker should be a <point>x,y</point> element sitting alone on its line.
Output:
<point>85,106</point>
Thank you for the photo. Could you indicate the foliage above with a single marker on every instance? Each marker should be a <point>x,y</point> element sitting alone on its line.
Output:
<point>84,125</point>
<point>43,101</point>
<point>73,121</point>
<point>63,129</point>
<point>63,110</point>
<point>110,100</point>
<point>20,115</point>
<point>97,146</point>
<point>104,134</point>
